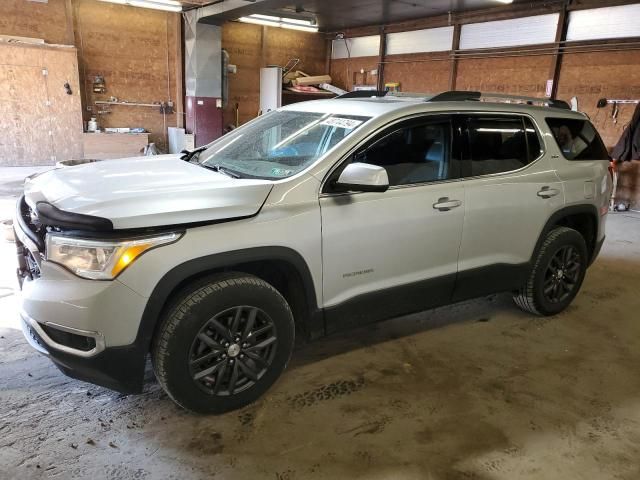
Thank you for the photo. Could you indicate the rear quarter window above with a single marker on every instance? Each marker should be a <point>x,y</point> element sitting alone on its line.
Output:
<point>577,139</point>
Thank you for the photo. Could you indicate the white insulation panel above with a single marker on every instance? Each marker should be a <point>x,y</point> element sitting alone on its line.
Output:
<point>510,33</point>
<point>357,47</point>
<point>418,41</point>
<point>607,22</point>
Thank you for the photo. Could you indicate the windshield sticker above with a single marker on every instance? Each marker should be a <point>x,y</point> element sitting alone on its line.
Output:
<point>346,123</point>
<point>281,172</point>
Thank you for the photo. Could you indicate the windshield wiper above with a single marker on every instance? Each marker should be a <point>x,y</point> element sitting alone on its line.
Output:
<point>189,154</point>
<point>221,169</point>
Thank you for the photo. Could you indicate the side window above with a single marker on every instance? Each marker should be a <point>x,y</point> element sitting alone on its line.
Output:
<point>500,144</point>
<point>415,153</point>
<point>577,139</point>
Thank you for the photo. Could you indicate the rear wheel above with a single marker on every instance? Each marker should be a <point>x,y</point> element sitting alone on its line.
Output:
<point>557,274</point>
<point>223,343</point>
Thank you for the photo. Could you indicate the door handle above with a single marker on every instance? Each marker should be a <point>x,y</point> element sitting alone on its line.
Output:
<point>444,204</point>
<point>546,192</point>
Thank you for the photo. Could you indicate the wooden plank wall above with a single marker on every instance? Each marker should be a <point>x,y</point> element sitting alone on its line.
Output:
<point>419,72</point>
<point>347,72</point>
<point>252,47</point>
<point>37,20</point>
<point>40,121</point>
<point>513,75</point>
<point>127,45</point>
<point>135,50</point>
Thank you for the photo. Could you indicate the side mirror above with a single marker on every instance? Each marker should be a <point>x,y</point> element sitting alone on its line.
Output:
<point>362,177</point>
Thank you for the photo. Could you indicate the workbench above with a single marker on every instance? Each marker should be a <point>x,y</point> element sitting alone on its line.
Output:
<point>103,146</point>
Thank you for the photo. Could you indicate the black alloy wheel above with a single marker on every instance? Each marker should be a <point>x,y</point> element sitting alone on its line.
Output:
<point>559,268</point>
<point>233,350</point>
<point>223,341</point>
<point>562,275</point>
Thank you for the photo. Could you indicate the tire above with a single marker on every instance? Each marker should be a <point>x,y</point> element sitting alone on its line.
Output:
<point>223,342</point>
<point>557,274</point>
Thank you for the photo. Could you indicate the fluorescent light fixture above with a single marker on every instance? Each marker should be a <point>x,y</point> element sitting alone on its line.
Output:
<point>300,27</point>
<point>280,22</point>
<point>504,1</point>
<point>166,5</point>
<point>258,21</point>
<point>297,21</point>
<point>266,17</point>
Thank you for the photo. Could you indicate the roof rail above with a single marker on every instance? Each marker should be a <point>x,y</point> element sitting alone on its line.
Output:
<point>456,96</point>
<point>463,95</point>
<point>363,94</point>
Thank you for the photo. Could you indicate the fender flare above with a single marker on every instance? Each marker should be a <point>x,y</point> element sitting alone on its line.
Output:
<point>196,266</point>
<point>559,215</point>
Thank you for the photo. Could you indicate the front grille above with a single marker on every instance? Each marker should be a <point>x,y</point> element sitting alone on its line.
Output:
<point>71,340</point>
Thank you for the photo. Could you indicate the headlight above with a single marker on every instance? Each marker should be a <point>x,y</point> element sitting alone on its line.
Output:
<point>100,259</point>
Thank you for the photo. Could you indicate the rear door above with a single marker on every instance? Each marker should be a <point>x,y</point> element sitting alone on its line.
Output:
<point>511,190</point>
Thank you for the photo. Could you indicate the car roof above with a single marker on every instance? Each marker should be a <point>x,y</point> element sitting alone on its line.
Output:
<point>378,106</point>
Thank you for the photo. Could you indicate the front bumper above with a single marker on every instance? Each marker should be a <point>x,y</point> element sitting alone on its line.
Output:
<point>88,328</point>
<point>117,368</point>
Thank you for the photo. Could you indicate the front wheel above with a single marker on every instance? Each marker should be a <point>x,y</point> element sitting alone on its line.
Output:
<point>223,343</point>
<point>557,274</point>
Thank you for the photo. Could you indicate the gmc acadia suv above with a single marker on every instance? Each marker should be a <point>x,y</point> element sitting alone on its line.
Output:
<point>313,218</point>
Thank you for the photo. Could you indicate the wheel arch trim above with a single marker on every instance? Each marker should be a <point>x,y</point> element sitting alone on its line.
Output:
<point>172,280</point>
<point>557,216</point>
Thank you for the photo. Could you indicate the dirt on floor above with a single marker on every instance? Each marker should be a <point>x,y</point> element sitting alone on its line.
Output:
<point>478,390</point>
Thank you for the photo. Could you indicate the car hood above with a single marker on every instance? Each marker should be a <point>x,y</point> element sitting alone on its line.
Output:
<point>147,192</point>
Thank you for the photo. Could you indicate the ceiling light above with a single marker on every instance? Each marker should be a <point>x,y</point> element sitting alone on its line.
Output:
<point>259,21</point>
<point>504,1</point>
<point>281,22</point>
<point>266,17</point>
<point>166,5</point>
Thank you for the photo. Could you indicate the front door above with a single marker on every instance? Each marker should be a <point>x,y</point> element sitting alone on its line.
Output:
<point>395,252</point>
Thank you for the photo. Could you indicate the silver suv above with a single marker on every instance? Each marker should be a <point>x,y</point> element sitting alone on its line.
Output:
<point>313,218</point>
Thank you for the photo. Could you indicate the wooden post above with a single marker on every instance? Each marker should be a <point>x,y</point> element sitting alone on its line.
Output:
<point>263,46</point>
<point>453,73</point>
<point>179,94</point>
<point>381,55</point>
<point>327,63</point>
<point>68,10</point>
<point>556,60</point>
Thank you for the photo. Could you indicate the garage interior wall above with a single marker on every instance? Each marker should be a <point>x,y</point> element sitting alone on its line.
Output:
<point>607,69</point>
<point>41,122</point>
<point>251,47</point>
<point>136,50</point>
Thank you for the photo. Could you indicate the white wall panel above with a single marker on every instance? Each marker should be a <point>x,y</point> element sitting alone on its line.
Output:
<point>358,47</point>
<point>510,33</point>
<point>417,41</point>
<point>608,22</point>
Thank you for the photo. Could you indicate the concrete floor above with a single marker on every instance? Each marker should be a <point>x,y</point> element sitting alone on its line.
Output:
<point>479,390</point>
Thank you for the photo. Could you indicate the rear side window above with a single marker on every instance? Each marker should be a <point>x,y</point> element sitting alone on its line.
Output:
<point>501,144</point>
<point>577,139</point>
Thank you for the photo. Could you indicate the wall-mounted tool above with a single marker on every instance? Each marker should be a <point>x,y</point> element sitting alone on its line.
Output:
<point>166,107</point>
<point>603,102</point>
<point>99,85</point>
